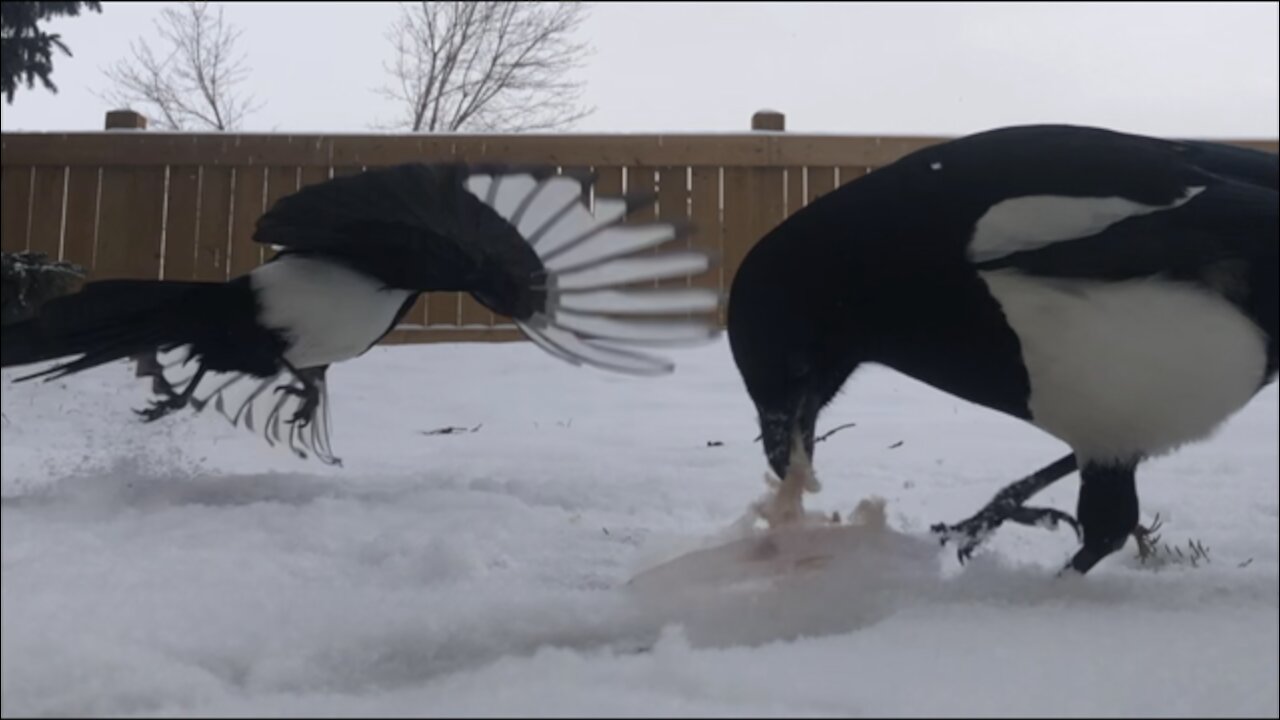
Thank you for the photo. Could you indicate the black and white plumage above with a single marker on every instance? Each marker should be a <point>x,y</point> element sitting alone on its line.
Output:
<point>354,254</point>
<point>1117,291</point>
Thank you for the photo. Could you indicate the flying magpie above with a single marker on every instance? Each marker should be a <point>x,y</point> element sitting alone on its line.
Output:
<point>1114,290</point>
<point>354,253</point>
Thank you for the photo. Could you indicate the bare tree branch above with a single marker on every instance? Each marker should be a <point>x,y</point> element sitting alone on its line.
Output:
<point>488,66</point>
<point>191,83</point>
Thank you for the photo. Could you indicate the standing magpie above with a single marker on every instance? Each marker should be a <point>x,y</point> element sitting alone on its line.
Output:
<point>1114,290</point>
<point>354,253</point>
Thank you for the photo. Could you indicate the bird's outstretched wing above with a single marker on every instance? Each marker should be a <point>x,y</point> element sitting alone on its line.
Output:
<point>414,226</point>
<point>525,242</point>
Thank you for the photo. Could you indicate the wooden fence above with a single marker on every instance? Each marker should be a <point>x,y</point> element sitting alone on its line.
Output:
<point>133,204</point>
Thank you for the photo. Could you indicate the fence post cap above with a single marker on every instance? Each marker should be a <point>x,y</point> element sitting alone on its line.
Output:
<point>768,120</point>
<point>125,120</point>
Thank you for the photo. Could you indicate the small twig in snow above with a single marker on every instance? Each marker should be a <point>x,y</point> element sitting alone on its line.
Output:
<point>1152,550</point>
<point>833,431</point>
<point>450,430</point>
<point>823,436</point>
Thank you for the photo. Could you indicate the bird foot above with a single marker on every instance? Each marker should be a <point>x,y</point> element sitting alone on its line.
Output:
<point>969,534</point>
<point>1147,538</point>
<point>159,408</point>
<point>310,401</point>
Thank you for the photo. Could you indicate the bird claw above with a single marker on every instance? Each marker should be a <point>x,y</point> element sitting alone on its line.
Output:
<point>967,535</point>
<point>1047,518</point>
<point>310,399</point>
<point>160,408</point>
<point>972,533</point>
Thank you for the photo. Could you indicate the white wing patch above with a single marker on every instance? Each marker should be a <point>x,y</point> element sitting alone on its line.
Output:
<point>1035,221</point>
<point>591,258</point>
<point>330,312</point>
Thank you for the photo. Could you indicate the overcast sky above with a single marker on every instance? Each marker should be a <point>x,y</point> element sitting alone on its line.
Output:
<point>1185,69</point>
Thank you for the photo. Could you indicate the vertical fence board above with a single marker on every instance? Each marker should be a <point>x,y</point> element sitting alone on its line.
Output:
<point>212,249</point>
<point>130,222</point>
<point>15,202</point>
<point>673,205</point>
<point>312,174</point>
<point>795,189</point>
<point>249,188</point>
<point>737,208</point>
<point>442,309</point>
<point>181,229</point>
<point>608,181</point>
<point>416,317</point>
<point>848,173</point>
<point>641,182</point>
<point>822,180</point>
<point>80,233</point>
<point>770,202</point>
<point>281,181</point>
<point>45,233</point>
<point>708,228</point>
<point>472,314</point>
<point>754,204</point>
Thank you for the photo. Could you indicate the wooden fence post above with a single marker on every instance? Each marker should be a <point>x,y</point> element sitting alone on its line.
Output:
<point>754,198</point>
<point>768,120</point>
<point>125,120</point>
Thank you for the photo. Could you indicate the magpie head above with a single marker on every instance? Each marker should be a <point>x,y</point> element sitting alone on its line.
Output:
<point>794,333</point>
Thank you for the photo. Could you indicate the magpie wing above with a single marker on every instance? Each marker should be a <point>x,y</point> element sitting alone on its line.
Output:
<point>575,276</point>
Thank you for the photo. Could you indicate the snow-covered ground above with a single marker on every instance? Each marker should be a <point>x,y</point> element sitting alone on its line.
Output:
<point>187,568</point>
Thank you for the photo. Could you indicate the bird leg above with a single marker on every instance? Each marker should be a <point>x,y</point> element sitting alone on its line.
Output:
<point>309,392</point>
<point>1108,512</point>
<point>1009,505</point>
<point>172,399</point>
